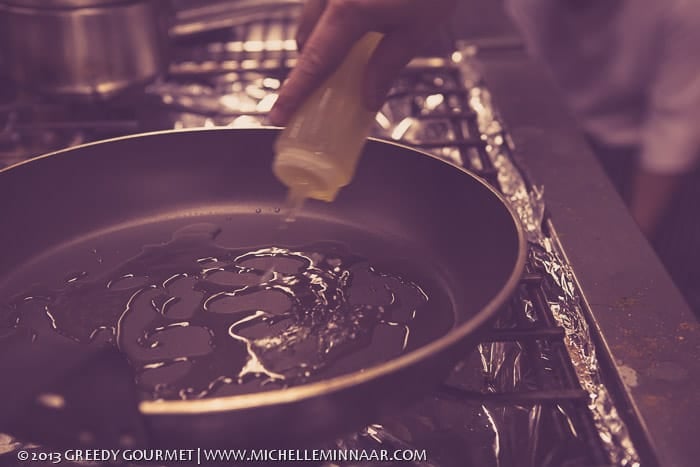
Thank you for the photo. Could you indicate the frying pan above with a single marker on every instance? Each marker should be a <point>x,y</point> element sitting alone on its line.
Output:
<point>403,205</point>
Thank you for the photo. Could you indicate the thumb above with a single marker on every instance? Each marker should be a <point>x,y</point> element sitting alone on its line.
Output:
<point>392,54</point>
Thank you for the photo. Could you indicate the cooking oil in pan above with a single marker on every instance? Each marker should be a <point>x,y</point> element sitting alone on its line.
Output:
<point>197,320</point>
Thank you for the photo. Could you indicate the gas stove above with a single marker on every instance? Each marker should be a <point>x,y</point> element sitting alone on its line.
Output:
<point>537,392</point>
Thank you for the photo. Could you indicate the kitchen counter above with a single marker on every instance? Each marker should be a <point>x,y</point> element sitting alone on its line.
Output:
<point>636,311</point>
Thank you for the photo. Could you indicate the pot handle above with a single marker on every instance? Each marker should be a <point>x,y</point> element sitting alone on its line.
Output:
<point>215,15</point>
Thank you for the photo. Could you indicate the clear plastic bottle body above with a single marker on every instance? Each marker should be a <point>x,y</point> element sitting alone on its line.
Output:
<point>318,151</point>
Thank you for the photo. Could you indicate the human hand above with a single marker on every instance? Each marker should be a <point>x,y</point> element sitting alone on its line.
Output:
<point>329,28</point>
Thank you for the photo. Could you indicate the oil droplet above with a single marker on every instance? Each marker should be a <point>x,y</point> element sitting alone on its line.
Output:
<point>76,276</point>
<point>258,211</point>
<point>126,282</point>
<point>97,256</point>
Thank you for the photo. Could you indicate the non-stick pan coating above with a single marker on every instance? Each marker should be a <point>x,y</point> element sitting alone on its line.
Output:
<point>403,207</point>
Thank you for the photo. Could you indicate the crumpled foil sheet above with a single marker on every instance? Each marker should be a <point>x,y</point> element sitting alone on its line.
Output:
<point>545,254</point>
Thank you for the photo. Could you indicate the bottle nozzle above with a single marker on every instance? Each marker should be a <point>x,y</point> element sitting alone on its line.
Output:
<point>304,174</point>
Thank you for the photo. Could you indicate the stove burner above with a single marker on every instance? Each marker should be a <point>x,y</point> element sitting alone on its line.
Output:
<point>518,400</point>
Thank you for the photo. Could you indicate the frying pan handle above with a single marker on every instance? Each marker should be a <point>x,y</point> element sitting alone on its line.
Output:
<point>69,396</point>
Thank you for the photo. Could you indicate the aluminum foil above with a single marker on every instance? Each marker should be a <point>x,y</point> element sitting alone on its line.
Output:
<point>564,300</point>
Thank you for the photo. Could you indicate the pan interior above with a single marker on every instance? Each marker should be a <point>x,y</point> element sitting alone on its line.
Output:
<point>208,303</point>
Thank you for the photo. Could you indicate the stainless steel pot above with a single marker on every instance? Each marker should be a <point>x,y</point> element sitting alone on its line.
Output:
<point>83,47</point>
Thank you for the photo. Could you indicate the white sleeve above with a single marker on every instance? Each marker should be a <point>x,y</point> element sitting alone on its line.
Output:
<point>671,133</point>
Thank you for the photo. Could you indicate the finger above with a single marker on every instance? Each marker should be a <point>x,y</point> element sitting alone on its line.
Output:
<point>311,13</point>
<point>330,41</point>
<point>392,54</point>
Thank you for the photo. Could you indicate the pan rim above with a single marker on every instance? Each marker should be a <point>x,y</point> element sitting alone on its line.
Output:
<point>346,381</point>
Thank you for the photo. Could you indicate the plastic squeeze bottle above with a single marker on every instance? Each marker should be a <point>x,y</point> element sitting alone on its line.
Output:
<point>317,153</point>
